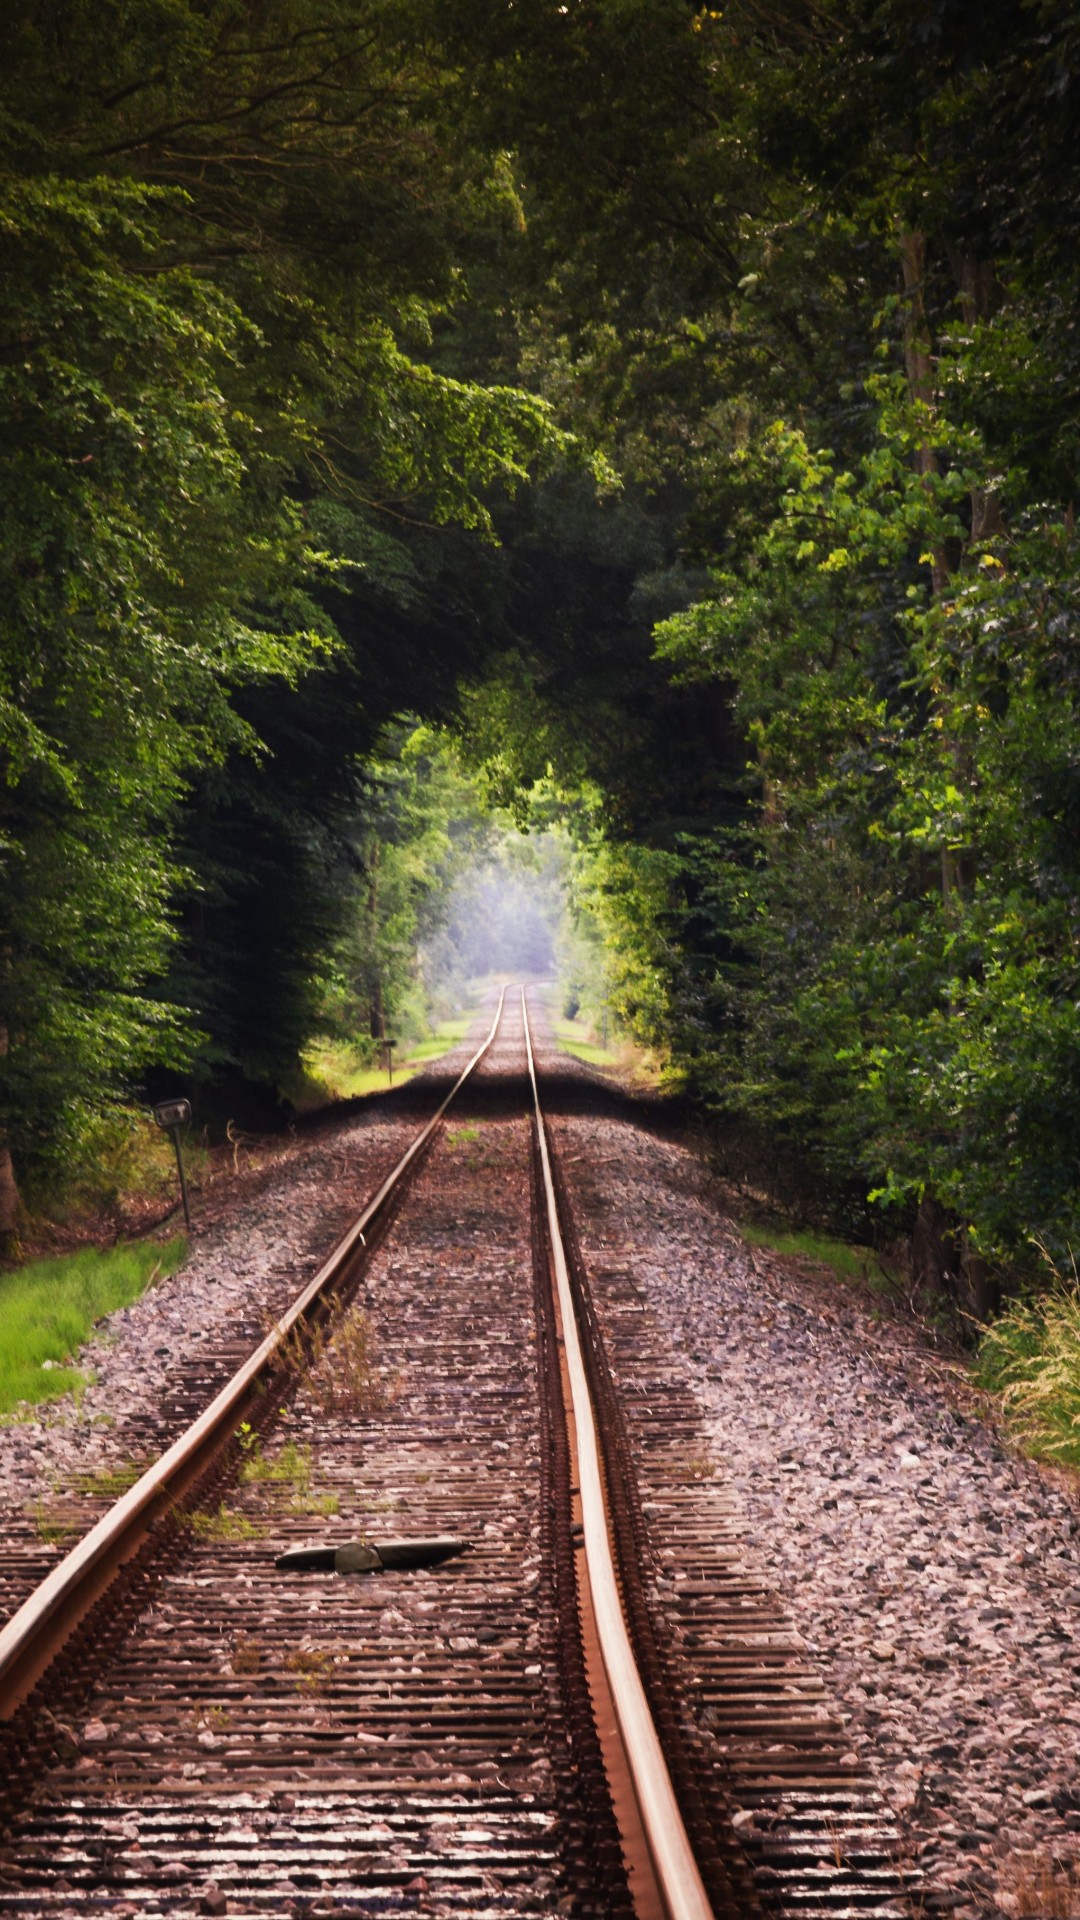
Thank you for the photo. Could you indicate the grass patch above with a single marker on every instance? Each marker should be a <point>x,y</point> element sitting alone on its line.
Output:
<point>326,1504</point>
<point>289,1467</point>
<point>54,1526</point>
<point>333,1070</point>
<point>450,1034</point>
<point>111,1482</point>
<point>1030,1357</point>
<point>852,1263</point>
<point>577,1037</point>
<point>223,1525</point>
<point>48,1308</point>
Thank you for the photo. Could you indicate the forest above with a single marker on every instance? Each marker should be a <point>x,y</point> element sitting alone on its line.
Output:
<point>651,426</point>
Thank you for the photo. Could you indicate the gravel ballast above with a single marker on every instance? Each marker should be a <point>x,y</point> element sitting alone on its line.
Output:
<point>934,1574</point>
<point>267,1233</point>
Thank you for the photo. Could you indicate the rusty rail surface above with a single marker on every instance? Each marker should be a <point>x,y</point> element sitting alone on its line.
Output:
<point>33,1635</point>
<point>676,1869</point>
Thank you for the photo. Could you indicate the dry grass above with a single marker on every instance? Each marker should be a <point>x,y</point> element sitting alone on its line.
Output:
<point>693,1466</point>
<point>247,1655</point>
<point>1031,1357</point>
<point>312,1668</point>
<point>339,1369</point>
<point>1033,1888</point>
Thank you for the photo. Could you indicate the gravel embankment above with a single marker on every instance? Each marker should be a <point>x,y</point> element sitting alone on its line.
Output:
<point>255,1257</point>
<point>935,1575</point>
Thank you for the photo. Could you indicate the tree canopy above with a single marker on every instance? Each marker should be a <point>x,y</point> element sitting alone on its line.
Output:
<point>681,405</point>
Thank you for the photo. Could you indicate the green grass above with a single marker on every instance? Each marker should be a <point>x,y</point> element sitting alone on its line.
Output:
<point>332,1072</point>
<point>223,1525</point>
<point>450,1034</point>
<point>49,1307</point>
<point>1030,1357</point>
<point>574,1036</point>
<point>111,1482</point>
<point>290,1469</point>
<point>53,1528</point>
<point>290,1466</point>
<point>852,1263</point>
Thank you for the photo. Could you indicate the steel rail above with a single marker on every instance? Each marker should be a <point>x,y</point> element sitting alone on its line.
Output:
<point>672,1856</point>
<point>24,1638</point>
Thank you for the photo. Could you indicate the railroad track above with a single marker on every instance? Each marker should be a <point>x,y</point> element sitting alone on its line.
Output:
<point>188,1725</point>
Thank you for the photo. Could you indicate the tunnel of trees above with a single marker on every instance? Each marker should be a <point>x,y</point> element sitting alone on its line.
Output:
<point>649,421</point>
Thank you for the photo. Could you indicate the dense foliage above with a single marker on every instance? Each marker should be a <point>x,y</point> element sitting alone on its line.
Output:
<point>295,305</point>
<point>809,271</point>
<point>226,240</point>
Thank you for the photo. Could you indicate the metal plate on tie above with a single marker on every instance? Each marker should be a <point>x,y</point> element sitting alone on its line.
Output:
<point>368,1556</point>
<point>420,1553</point>
<point>357,1557</point>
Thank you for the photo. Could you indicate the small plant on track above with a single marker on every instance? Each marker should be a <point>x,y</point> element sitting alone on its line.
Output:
<point>693,1466</point>
<point>326,1504</point>
<point>108,1483</point>
<point>287,1471</point>
<point>312,1667</point>
<point>223,1525</point>
<point>53,1526</point>
<point>338,1369</point>
<point>289,1467</point>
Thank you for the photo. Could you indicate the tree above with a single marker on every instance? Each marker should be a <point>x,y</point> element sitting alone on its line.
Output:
<point>815,281</point>
<point>191,359</point>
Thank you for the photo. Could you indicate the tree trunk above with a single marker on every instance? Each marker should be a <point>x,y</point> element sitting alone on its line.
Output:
<point>983,1287</point>
<point>981,294</point>
<point>378,1014</point>
<point>933,1249</point>
<point>377,1020</point>
<point>943,1261</point>
<point>919,360</point>
<point>10,1203</point>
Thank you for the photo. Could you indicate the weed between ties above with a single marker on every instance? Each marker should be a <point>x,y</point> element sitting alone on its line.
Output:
<point>288,1469</point>
<point>338,1368</point>
<point>52,1528</point>
<point>221,1524</point>
<point>312,1667</point>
